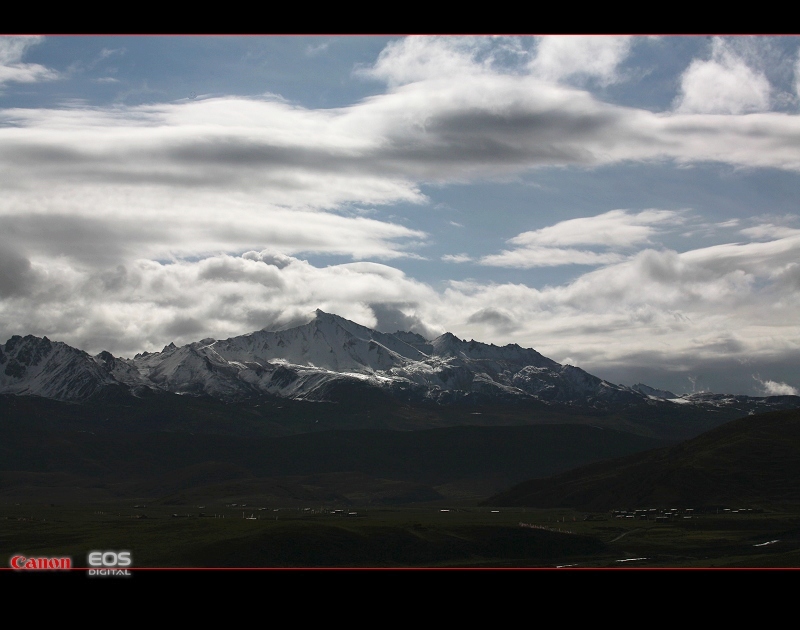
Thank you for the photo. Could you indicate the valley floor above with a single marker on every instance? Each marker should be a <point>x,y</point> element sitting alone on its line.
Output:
<point>231,535</point>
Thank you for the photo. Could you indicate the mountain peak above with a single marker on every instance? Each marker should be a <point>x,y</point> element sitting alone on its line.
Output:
<point>320,314</point>
<point>329,322</point>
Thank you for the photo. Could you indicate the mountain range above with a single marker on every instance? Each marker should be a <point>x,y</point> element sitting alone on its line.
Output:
<point>326,358</point>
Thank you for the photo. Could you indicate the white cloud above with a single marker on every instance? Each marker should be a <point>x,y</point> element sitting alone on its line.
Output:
<point>529,257</point>
<point>317,49</point>
<point>457,258</point>
<point>615,229</point>
<point>734,302</point>
<point>724,84</point>
<point>232,153</point>
<point>758,258</point>
<point>12,69</point>
<point>115,223</point>
<point>413,59</point>
<point>144,304</point>
<point>769,231</point>
<point>776,388</point>
<point>581,56</point>
<point>797,74</point>
<point>553,58</point>
<point>110,52</point>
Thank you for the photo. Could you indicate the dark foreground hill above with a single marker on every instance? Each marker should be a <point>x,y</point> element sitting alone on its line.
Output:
<point>751,461</point>
<point>358,465</point>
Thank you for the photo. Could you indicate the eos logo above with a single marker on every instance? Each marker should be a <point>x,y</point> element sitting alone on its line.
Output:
<point>111,561</point>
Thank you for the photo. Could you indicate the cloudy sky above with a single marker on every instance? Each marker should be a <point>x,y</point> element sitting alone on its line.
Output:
<point>627,205</point>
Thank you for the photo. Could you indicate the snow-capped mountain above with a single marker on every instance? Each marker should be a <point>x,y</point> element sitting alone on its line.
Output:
<point>40,367</point>
<point>309,362</point>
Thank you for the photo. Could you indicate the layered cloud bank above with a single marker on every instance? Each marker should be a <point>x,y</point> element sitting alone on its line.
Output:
<point>126,227</point>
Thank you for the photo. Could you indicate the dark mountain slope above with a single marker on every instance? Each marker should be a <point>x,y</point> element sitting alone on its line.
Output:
<point>750,461</point>
<point>159,463</point>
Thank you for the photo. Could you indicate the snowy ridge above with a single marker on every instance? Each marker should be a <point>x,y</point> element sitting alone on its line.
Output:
<point>311,361</point>
<point>33,366</point>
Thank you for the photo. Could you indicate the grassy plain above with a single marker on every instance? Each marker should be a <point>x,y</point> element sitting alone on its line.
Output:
<point>424,536</point>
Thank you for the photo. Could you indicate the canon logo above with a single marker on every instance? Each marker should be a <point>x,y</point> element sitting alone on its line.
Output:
<point>21,562</point>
